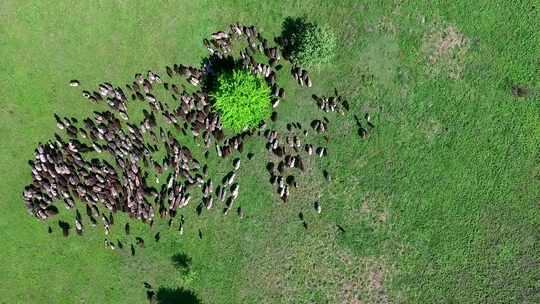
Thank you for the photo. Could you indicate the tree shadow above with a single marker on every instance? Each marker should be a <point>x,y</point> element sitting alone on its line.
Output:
<point>176,295</point>
<point>290,29</point>
<point>214,66</point>
<point>182,262</point>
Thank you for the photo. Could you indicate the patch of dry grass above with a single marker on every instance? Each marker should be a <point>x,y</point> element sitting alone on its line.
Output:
<point>445,49</point>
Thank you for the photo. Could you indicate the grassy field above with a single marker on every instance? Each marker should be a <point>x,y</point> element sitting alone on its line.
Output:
<point>440,205</point>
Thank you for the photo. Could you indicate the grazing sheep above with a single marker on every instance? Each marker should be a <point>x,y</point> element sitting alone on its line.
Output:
<point>61,171</point>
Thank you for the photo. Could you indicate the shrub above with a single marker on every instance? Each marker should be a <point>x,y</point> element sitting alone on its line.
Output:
<point>307,44</point>
<point>242,100</point>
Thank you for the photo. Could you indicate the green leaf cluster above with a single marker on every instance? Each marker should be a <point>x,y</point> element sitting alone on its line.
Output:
<point>308,44</point>
<point>242,100</point>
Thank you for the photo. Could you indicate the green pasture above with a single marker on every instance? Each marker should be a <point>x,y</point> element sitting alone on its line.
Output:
<point>440,205</point>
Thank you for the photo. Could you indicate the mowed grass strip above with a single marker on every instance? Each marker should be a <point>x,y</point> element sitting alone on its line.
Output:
<point>439,205</point>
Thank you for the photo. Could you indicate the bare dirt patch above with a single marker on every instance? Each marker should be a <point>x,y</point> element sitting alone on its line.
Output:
<point>445,49</point>
<point>375,205</point>
<point>431,128</point>
<point>371,287</point>
<point>298,265</point>
<point>376,288</point>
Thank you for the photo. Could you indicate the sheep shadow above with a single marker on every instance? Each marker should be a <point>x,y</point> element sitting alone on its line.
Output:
<point>65,227</point>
